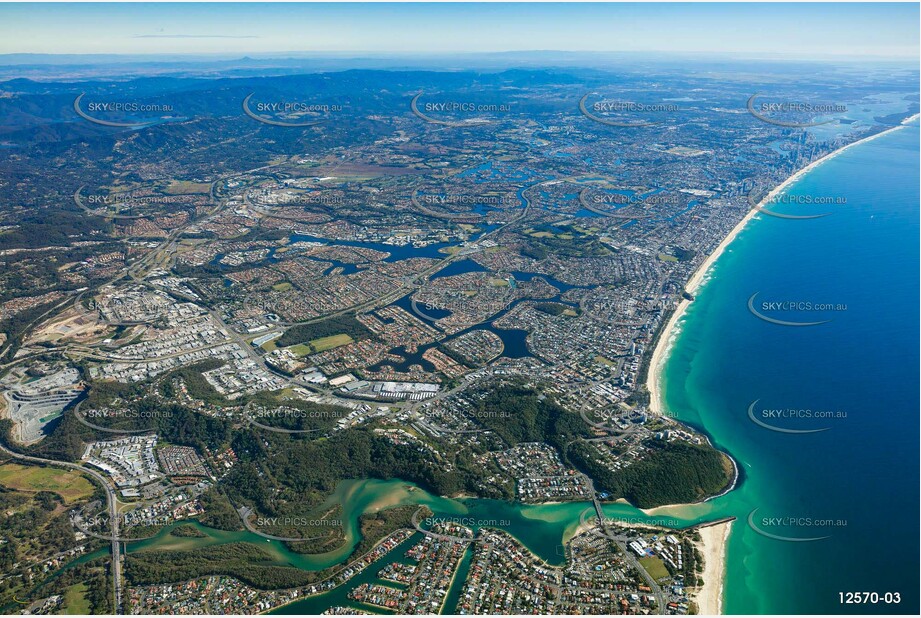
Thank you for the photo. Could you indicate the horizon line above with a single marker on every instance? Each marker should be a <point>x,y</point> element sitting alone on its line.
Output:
<point>279,54</point>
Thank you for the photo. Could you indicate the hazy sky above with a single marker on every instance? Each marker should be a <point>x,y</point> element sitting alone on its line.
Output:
<point>804,30</point>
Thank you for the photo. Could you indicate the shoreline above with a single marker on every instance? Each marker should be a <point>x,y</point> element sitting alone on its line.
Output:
<point>715,539</point>
<point>697,279</point>
<point>658,510</point>
<point>714,545</point>
<point>663,510</point>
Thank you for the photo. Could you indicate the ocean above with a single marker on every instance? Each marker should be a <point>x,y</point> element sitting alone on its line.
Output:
<point>833,456</point>
<point>851,483</point>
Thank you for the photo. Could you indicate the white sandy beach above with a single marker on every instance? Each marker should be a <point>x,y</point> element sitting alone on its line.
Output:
<point>710,596</point>
<point>660,353</point>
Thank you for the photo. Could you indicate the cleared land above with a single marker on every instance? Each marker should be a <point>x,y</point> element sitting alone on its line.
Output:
<point>317,345</point>
<point>75,601</point>
<point>328,343</point>
<point>68,484</point>
<point>655,567</point>
<point>301,349</point>
<point>184,187</point>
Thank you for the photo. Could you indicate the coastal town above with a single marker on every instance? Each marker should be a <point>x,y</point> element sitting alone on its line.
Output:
<point>294,374</point>
<point>417,571</point>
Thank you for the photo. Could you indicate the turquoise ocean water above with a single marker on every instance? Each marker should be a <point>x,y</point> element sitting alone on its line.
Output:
<point>855,484</point>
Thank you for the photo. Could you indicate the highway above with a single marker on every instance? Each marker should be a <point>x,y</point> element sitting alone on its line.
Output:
<point>137,271</point>
<point>112,508</point>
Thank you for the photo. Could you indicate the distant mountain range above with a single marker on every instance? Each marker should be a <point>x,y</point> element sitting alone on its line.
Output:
<point>90,66</point>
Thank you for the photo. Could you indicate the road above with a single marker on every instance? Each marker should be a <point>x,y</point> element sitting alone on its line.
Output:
<point>621,544</point>
<point>112,508</point>
<point>661,601</point>
<point>137,272</point>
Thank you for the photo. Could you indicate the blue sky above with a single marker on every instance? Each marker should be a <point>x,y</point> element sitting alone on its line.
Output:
<point>801,30</point>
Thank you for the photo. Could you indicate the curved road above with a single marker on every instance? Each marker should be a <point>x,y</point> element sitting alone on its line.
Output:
<point>113,518</point>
